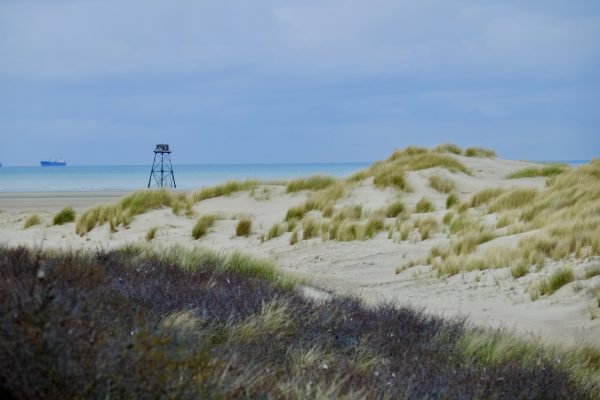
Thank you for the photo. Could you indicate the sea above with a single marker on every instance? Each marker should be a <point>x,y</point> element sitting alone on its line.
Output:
<point>133,177</point>
<point>187,177</point>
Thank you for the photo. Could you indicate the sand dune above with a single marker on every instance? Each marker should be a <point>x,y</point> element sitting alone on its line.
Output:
<point>367,268</point>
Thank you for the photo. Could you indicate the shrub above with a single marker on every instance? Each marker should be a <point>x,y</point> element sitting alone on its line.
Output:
<point>243,227</point>
<point>479,152</point>
<point>441,184</point>
<point>316,182</point>
<point>33,219</point>
<point>63,216</point>
<point>424,206</point>
<point>203,225</point>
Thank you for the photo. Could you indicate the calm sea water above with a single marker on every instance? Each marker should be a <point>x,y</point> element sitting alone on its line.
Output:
<point>82,178</point>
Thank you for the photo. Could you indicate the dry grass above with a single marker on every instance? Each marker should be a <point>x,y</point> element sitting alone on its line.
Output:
<point>313,183</point>
<point>224,189</point>
<point>484,196</point>
<point>310,228</point>
<point>32,220</point>
<point>448,148</point>
<point>323,200</point>
<point>294,238</point>
<point>243,227</point>
<point>394,209</point>
<point>441,184</point>
<point>427,227</point>
<point>514,199</point>
<point>64,216</point>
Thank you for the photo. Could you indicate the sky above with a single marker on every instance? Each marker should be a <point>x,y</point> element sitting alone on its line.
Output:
<point>101,82</point>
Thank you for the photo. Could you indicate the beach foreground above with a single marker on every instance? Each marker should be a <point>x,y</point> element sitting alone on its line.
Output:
<point>404,256</point>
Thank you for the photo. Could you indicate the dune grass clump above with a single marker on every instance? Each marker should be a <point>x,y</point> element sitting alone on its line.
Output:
<point>519,270</point>
<point>243,227</point>
<point>484,196</point>
<point>427,227</point>
<point>294,238</point>
<point>317,182</point>
<point>514,199</point>
<point>451,200</point>
<point>373,226</point>
<point>151,233</point>
<point>33,219</point>
<point>441,184</point>
<point>448,148</point>
<point>479,152</point>
<point>275,231</point>
<point>310,228</point>
<point>224,189</point>
<point>558,279</point>
<point>424,206</point>
<point>203,225</point>
<point>322,200</point>
<point>394,209</point>
<point>133,323</point>
<point>64,216</point>
<point>545,171</point>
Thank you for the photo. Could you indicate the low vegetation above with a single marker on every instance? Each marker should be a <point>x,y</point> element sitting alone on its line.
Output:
<point>545,171</point>
<point>151,233</point>
<point>203,225</point>
<point>33,219</point>
<point>64,216</point>
<point>275,231</point>
<point>316,182</point>
<point>243,227</point>
<point>424,206</point>
<point>479,152</point>
<point>548,286</point>
<point>190,324</point>
<point>441,184</point>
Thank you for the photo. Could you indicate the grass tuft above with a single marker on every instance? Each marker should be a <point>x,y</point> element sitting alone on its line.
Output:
<point>313,183</point>
<point>243,227</point>
<point>394,209</point>
<point>545,171</point>
<point>557,280</point>
<point>151,233</point>
<point>441,184</point>
<point>479,152</point>
<point>64,216</point>
<point>424,206</point>
<point>203,225</point>
<point>32,220</point>
<point>451,200</point>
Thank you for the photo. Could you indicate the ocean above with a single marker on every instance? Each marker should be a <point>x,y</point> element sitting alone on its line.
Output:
<point>132,177</point>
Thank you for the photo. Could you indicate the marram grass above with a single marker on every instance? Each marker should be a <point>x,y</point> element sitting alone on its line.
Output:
<point>33,219</point>
<point>64,216</point>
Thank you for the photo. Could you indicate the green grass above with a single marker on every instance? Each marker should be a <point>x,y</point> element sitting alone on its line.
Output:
<point>424,206</point>
<point>322,200</point>
<point>151,233</point>
<point>519,270</point>
<point>275,231</point>
<point>451,200</point>
<point>243,227</point>
<point>203,225</point>
<point>592,271</point>
<point>372,227</point>
<point>514,199</point>
<point>545,171</point>
<point>310,228</point>
<point>32,220</point>
<point>427,227</point>
<point>558,279</point>
<point>64,216</point>
<point>294,238</point>
<point>441,184</point>
<point>484,196</point>
<point>394,209</point>
<point>224,189</point>
<point>479,152</point>
<point>448,148</point>
<point>313,183</point>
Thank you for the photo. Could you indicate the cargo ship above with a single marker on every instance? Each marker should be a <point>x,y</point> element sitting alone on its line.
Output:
<point>59,162</point>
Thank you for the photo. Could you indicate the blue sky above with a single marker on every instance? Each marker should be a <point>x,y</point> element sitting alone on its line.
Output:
<point>100,82</point>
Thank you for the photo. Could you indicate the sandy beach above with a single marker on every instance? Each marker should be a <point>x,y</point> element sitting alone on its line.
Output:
<point>367,268</point>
